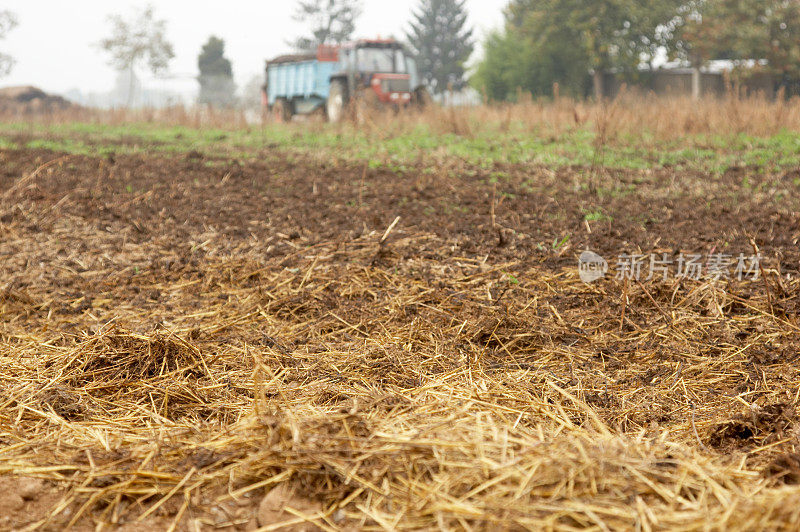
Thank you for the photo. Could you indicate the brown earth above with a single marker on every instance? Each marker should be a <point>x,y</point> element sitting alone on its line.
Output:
<point>149,305</point>
<point>652,210</point>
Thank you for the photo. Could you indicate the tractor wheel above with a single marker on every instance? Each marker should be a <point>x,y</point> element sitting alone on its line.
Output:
<point>337,102</point>
<point>282,111</point>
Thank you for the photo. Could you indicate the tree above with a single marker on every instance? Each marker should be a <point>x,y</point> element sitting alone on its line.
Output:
<point>511,64</point>
<point>781,48</point>
<point>740,31</point>
<point>441,42</point>
<point>527,57</point>
<point>570,38</point>
<point>137,40</point>
<point>503,69</point>
<point>216,75</point>
<point>8,21</point>
<point>332,22</point>
<point>125,84</point>
<point>611,34</point>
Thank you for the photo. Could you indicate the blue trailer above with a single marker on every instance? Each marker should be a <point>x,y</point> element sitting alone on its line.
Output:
<point>305,83</point>
<point>379,72</point>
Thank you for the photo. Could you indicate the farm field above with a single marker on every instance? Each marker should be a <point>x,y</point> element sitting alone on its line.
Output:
<point>309,326</point>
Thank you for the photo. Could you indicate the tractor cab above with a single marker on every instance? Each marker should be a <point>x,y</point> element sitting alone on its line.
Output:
<point>379,66</point>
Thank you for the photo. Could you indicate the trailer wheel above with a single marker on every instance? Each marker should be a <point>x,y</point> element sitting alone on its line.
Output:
<point>337,101</point>
<point>282,111</point>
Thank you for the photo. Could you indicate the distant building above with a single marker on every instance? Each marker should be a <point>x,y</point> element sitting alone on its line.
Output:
<point>715,78</point>
<point>466,97</point>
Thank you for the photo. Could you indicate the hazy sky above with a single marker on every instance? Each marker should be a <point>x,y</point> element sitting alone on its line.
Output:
<point>55,44</point>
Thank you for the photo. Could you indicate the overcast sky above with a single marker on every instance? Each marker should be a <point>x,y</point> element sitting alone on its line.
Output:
<point>55,44</point>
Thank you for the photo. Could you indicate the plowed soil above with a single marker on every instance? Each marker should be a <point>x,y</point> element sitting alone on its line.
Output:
<point>181,335</point>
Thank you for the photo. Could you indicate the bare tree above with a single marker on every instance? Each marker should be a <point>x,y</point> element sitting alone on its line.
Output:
<point>137,40</point>
<point>8,21</point>
<point>331,21</point>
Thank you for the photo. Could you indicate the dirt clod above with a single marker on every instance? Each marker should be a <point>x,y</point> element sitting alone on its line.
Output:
<point>29,488</point>
<point>784,469</point>
<point>273,509</point>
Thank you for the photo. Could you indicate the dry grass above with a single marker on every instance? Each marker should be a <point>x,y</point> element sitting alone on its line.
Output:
<point>662,118</point>
<point>658,117</point>
<point>196,117</point>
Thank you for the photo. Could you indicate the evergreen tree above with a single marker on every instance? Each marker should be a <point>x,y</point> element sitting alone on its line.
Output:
<point>441,42</point>
<point>216,75</point>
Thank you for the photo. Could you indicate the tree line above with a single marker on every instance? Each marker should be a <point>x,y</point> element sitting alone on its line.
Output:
<point>569,44</point>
